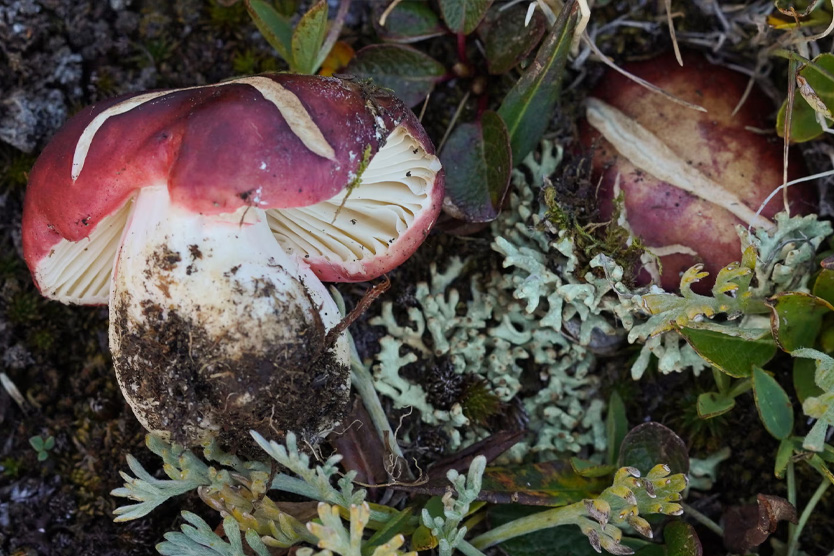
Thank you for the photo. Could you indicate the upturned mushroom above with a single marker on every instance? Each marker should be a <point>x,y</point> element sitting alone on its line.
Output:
<point>688,177</point>
<point>206,218</point>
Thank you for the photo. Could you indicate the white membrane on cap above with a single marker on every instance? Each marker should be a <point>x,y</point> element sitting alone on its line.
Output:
<point>394,189</point>
<point>287,103</point>
<point>79,272</point>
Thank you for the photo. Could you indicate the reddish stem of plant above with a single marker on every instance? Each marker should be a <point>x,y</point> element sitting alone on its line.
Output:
<point>462,49</point>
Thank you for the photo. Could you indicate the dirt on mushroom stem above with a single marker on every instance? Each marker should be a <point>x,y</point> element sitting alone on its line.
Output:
<point>200,380</point>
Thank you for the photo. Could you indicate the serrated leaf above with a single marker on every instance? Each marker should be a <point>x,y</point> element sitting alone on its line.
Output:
<point>735,354</point>
<point>796,318</point>
<point>463,16</point>
<point>507,40</point>
<point>528,106</point>
<point>804,126</point>
<point>478,165</point>
<point>410,21</point>
<point>405,70</point>
<point>775,409</point>
<point>616,427</point>
<point>682,540</point>
<point>553,483</point>
<point>276,29</point>
<point>649,443</point>
<point>713,404</point>
<point>307,39</point>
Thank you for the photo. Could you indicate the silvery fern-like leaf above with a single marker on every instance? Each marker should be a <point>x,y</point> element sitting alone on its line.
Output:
<point>198,539</point>
<point>149,491</point>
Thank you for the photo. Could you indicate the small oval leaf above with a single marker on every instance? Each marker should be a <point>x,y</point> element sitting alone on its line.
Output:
<point>463,16</point>
<point>405,70</point>
<point>796,318</point>
<point>682,540</point>
<point>410,21</point>
<point>507,40</point>
<point>713,404</point>
<point>775,409</point>
<point>651,443</point>
<point>478,165</point>
<point>734,355</point>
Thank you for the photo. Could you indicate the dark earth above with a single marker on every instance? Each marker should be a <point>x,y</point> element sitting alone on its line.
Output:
<point>57,56</point>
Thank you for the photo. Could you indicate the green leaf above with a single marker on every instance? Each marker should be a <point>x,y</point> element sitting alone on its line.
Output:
<point>507,40</point>
<point>804,126</point>
<point>552,483</point>
<point>478,165</point>
<point>649,443</point>
<point>824,285</point>
<point>682,540</point>
<point>422,539</point>
<point>36,442</point>
<point>394,526</point>
<point>775,409</point>
<point>410,21</point>
<point>803,379</point>
<point>616,427</point>
<point>562,541</point>
<point>308,38</point>
<point>405,70</point>
<point>734,355</point>
<point>275,28</point>
<point>463,16</point>
<point>783,457</point>
<point>796,318</point>
<point>713,404</point>
<point>528,106</point>
<point>591,469</point>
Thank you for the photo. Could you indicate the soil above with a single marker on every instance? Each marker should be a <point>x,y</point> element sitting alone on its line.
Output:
<point>57,56</point>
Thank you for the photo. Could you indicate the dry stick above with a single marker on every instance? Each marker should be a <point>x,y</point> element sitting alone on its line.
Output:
<point>387,12</point>
<point>335,28</point>
<point>787,130</point>
<point>639,81</point>
<point>454,119</point>
<point>369,297</point>
<point>672,32</point>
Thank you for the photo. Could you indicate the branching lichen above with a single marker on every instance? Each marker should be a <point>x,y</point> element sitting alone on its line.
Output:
<point>512,329</point>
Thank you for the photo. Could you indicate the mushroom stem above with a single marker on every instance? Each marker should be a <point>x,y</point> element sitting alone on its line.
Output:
<point>212,323</point>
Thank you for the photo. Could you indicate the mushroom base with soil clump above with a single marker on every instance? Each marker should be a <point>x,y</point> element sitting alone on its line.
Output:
<point>233,328</point>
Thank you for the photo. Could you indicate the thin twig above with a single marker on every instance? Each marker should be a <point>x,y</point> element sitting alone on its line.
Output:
<point>454,120</point>
<point>387,12</point>
<point>672,32</point>
<point>654,88</point>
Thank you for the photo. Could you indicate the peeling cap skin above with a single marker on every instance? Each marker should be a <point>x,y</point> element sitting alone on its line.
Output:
<point>206,217</point>
<point>273,142</point>
<point>670,202</point>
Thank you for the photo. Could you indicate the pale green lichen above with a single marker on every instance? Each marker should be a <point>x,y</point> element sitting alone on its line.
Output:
<point>512,325</point>
<point>538,316</point>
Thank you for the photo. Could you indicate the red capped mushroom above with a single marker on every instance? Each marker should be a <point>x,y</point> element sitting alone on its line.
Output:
<point>206,216</point>
<point>688,177</point>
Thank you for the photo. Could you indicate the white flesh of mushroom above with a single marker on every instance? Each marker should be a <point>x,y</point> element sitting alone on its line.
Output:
<point>226,273</point>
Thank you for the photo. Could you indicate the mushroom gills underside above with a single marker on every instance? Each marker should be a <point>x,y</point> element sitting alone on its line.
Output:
<point>79,272</point>
<point>393,190</point>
